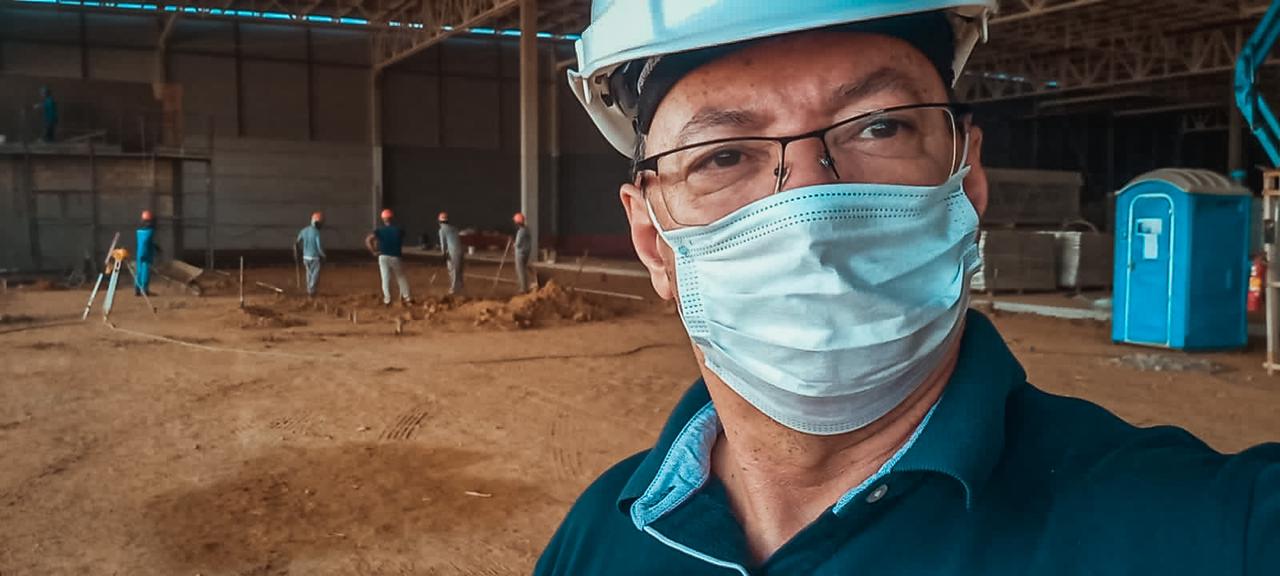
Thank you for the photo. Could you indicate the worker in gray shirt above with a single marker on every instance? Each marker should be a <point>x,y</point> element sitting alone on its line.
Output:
<point>524,249</point>
<point>451,246</point>
<point>312,251</point>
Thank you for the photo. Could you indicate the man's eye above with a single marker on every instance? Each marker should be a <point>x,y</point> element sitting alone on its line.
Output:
<point>881,129</point>
<point>726,158</point>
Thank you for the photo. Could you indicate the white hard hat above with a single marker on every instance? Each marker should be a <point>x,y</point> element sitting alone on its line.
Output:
<point>623,31</point>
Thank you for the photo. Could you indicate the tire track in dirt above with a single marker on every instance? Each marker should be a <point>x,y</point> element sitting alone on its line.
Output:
<point>567,463</point>
<point>405,425</point>
<point>490,569</point>
<point>298,424</point>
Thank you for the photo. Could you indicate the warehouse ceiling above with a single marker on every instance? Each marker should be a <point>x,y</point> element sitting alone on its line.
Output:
<point>1061,55</point>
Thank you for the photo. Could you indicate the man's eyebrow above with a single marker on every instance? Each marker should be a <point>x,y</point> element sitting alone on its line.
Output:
<point>878,82</point>
<point>715,117</point>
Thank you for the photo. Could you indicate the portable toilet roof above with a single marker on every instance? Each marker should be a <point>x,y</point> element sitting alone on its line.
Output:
<point>1191,181</point>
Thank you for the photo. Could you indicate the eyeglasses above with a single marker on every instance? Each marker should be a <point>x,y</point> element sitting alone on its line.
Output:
<point>916,144</point>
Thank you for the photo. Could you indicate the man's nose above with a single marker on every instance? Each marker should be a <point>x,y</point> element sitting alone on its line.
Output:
<point>806,164</point>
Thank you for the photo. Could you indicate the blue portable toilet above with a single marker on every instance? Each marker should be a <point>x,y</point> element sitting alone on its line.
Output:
<point>1181,261</point>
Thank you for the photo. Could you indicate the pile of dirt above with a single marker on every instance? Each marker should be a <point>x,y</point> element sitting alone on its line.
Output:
<point>261,317</point>
<point>359,308</point>
<point>548,306</point>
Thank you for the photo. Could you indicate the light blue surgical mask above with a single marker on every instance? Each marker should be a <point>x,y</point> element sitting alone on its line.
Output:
<point>826,306</point>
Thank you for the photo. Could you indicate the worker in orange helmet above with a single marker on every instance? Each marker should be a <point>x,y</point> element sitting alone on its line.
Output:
<point>312,251</point>
<point>524,250</point>
<point>451,247</point>
<point>385,244</point>
<point>145,253</point>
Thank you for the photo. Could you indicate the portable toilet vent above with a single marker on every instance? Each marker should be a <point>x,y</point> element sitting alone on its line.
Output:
<point>1181,261</point>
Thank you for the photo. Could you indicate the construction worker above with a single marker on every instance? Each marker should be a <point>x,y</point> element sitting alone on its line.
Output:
<point>808,194</point>
<point>385,244</point>
<point>524,249</point>
<point>144,253</point>
<point>312,250</point>
<point>49,112</point>
<point>451,246</point>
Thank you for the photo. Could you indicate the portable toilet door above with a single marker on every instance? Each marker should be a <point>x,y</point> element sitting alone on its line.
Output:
<point>1148,296</point>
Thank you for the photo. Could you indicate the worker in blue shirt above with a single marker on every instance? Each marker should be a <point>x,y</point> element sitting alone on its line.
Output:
<point>144,253</point>
<point>453,251</point>
<point>385,244</point>
<point>49,113</point>
<point>808,193</point>
<point>523,246</point>
<point>312,251</point>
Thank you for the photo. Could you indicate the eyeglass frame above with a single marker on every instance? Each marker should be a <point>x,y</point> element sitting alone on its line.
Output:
<point>960,113</point>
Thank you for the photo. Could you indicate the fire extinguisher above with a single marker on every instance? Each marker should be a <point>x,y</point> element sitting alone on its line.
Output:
<point>1257,276</point>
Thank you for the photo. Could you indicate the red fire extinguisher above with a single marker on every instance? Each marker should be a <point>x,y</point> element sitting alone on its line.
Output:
<point>1257,276</point>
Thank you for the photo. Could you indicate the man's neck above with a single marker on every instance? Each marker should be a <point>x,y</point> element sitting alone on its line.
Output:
<point>780,480</point>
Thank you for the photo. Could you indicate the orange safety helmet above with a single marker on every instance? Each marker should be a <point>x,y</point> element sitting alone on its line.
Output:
<point>387,214</point>
<point>518,218</point>
<point>317,216</point>
<point>147,216</point>
<point>443,217</point>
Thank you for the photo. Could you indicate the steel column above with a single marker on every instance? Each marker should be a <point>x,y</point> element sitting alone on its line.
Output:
<point>529,138</point>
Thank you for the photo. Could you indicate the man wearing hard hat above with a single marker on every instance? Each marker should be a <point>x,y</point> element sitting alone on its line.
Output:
<point>451,247</point>
<point>385,244</point>
<point>808,192</point>
<point>144,253</point>
<point>524,251</point>
<point>312,251</point>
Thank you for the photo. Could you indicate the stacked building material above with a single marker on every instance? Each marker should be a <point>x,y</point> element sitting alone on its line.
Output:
<point>1032,197</point>
<point>1016,260</point>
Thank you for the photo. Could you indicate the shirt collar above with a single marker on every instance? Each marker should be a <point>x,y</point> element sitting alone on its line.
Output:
<point>963,438</point>
<point>966,435</point>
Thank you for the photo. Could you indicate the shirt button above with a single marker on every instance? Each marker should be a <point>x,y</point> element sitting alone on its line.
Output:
<point>877,494</point>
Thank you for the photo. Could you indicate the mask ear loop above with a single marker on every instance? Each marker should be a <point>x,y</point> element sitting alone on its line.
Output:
<point>648,205</point>
<point>964,151</point>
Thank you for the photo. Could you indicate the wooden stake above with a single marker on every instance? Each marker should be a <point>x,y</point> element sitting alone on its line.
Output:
<point>242,281</point>
<point>608,293</point>
<point>501,263</point>
<point>582,261</point>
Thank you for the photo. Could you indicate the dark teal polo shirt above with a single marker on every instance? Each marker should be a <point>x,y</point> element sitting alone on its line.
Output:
<point>1001,478</point>
<point>390,239</point>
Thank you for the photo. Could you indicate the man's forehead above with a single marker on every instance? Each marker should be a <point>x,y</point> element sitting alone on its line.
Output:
<point>813,72</point>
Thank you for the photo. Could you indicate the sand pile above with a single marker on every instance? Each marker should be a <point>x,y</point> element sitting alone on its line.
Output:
<point>548,306</point>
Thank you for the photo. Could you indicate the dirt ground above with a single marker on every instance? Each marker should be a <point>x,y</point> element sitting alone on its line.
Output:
<point>448,438</point>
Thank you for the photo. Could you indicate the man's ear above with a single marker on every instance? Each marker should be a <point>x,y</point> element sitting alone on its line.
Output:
<point>644,237</point>
<point>975,183</point>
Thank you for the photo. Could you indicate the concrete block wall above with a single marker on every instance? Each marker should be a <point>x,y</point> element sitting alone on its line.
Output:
<point>15,242</point>
<point>66,192</point>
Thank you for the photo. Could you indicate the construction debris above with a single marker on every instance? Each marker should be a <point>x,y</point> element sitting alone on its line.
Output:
<point>1149,362</point>
<point>275,289</point>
